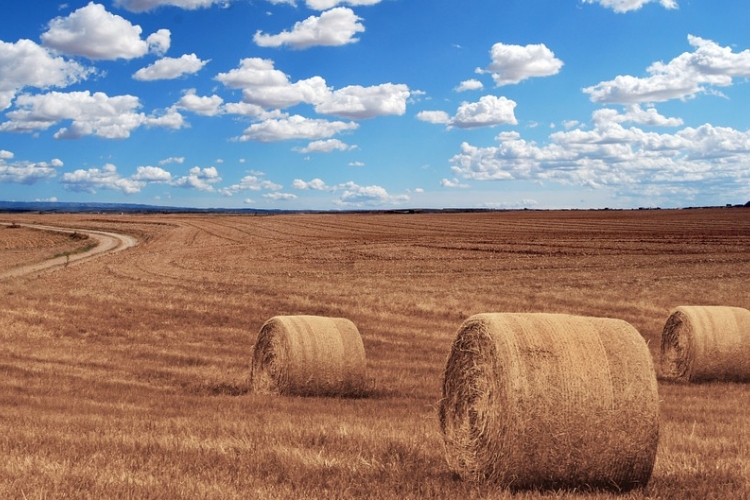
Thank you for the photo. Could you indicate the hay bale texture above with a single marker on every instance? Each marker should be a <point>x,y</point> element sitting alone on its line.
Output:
<point>309,356</point>
<point>701,343</point>
<point>538,401</point>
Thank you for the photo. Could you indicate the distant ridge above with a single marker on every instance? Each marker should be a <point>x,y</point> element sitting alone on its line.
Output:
<point>73,207</point>
<point>110,208</point>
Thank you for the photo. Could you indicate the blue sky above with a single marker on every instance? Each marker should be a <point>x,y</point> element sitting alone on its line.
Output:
<point>360,104</point>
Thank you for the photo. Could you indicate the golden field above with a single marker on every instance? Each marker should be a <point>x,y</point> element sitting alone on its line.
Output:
<point>127,376</point>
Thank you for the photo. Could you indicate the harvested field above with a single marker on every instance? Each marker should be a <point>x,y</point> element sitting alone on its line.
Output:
<point>128,375</point>
<point>22,245</point>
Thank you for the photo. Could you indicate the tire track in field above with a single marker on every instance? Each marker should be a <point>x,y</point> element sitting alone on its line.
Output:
<point>106,243</point>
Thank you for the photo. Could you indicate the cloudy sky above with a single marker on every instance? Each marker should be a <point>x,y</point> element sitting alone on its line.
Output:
<point>359,104</point>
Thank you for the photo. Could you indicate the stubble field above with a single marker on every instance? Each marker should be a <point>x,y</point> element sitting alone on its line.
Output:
<point>127,376</point>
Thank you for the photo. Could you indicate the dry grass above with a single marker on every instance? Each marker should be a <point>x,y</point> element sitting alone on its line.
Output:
<point>128,376</point>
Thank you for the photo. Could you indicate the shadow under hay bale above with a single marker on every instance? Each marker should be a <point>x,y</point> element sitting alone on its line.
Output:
<point>309,356</point>
<point>538,401</point>
<point>703,343</point>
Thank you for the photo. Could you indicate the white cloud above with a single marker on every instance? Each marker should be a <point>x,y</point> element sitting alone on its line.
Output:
<point>91,114</point>
<point>250,183</point>
<point>453,183</point>
<point>487,112</point>
<point>437,117</point>
<point>313,185</point>
<point>294,127</point>
<point>334,27</point>
<point>621,6</point>
<point>146,5</point>
<point>265,86</point>
<point>683,77</point>
<point>514,63</point>
<point>629,160</point>
<point>152,174</point>
<point>359,103</point>
<point>280,196</point>
<point>635,114</point>
<point>94,33</point>
<point>26,64</point>
<point>253,71</point>
<point>327,4</point>
<point>170,68</point>
<point>326,146</point>
<point>469,85</point>
<point>207,106</point>
<point>159,42</point>
<point>355,195</point>
<point>26,172</point>
<point>198,178</point>
<point>311,90</point>
<point>107,178</point>
<point>173,159</point>
<point>352,194</point>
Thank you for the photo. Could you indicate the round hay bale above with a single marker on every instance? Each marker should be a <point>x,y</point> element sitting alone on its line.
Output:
<point>538,401</point>
<point>701,343</point>
<point>310,356</point>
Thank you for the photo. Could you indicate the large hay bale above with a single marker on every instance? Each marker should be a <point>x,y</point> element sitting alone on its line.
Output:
<point>308,355</point>
<point>537,401</point>
<point>702,343</point>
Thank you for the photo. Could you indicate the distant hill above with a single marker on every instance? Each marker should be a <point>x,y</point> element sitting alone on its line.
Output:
<point>73,207</point>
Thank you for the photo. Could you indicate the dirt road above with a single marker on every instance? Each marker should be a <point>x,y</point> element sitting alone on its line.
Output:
<point>106,243</point>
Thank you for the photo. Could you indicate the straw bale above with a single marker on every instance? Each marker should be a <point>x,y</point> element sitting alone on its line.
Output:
<point>701,343</point>
<point>538,401</point>
<point>308,355</point>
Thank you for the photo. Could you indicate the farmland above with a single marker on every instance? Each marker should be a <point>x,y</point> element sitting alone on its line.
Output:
<point>127,376</point>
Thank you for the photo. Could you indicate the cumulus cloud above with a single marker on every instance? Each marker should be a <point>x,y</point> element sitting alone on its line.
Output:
<point>453,183</point>
<point>280,196</point>
<point>487,112</point>
<point>172,159</point>
<point>25,172</point>
<point>250,183</point>
<point>159,42</point>
<point>294,127</point>
<point>170,68</point>
<point>198,178</point>
<point>91,114</point>
<point>146,5</point>
<point>150,174</point>
<point>514,63</point>
<point>334,27</point>
<point>635,114</point>
<point>107,177</point>
<point>355,195</point>
<point>352,194</point>
<point>313,185</point>
<point>326,146</point>
<point>26,64</point>
<point>267,87</point>
<point>327,4</point>
<point>469,85</point>
<point>685,76</point>
<point>360,103</point>
<point>94,33</point>
<point>437,117</point>
<point>206,106</point>
<point>630,160</point>
<point>621,6</point>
